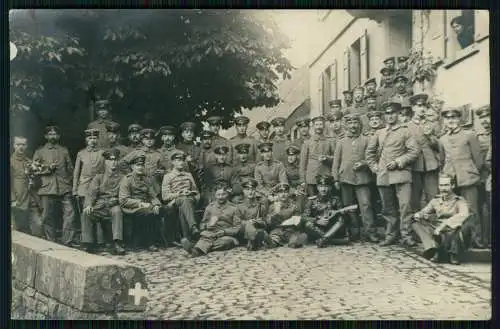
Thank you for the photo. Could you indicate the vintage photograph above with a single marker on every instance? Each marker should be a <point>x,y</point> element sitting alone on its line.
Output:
<point>211,164</point>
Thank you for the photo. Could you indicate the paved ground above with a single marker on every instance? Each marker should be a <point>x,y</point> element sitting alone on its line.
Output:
<point>362,281</point>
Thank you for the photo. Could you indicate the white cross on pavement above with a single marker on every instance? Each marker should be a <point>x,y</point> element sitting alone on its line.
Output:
<point>138,293</point>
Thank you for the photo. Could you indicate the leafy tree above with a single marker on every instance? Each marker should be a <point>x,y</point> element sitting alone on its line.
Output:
<point>156,66</point>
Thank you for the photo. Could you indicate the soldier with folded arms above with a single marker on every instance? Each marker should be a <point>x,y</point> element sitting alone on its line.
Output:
<point>102,208</point>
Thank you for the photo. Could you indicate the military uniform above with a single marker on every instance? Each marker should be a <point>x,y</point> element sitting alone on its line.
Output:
<point>386,89</point>
<point>243,170</point>
<point>89,162</point>
<point>220,227</point>
<point>134,129</point>
<point>269,173</point>
<point>330,132</point>
<point>55,189</point>
<point>207,156</point>
<point>100,124</point>
<point>280,143</point>
<point>452,214</point>
<point>484,136</point>
<point>262,126</point>
<point>370,88</point>
<point>462,156</point>
<point>219,140</point>
<point>347,98</point>
<point>316,158</point>
<point>336,228</point>
<point>174,183</point>
<point>192,151</point>
<point>23,199</point>
<point>102,198</point>
<point>244,139</point>
<point>354,181</point>
<point>279,212</point>
<point>218,172</point>
<point>138,199</point>
<point>293,175</point>
<point>167,150</point>
<point>394,145</point>
<point>252,213</point>
<point>114,127</point>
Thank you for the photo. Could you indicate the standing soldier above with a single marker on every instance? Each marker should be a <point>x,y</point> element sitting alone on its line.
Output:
<point>102,109</point>
<point>134,137</point>
<point>102,206</point>
<point>253,213</point>
<point>244,169</point>
<point>221,170</point>
<point>113,131</point>
<point>292,168</point>
<point>263,127</point>
<point>425,169</point>
<point>390,153</point>
<point>359,95</point>
<point>22,185</point>
<point>180,192</point>
<point>207,156</point>
<point>335,105</point>
<point>316,156</point>
<point>241,126</point>
<point>401,91</point>
<point>167,136</point>
<point>404,69</point>
<point>155,162</point>
<point>484,136</point>
<point>188,146</point>
<point>141,206</point>
<point>319,226</point>
<point>280,141</point>
<point>333,125</point>
<point>353,177</point>
<point>347,98</point>
<point>370,88</point>
<point>56,186</point>
<point>304,131</point>
<point>89,162</point>
<point>386,89</point>
<point>220,225</point>
<point>215,125</point>
<point>376,122</point>
<point>390,64</point>
<point>371,103</point>
<point>463,160</point>
<point>268,172</point>
<point>406,111</point>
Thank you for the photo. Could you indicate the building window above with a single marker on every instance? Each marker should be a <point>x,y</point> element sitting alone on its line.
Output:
<point>328,87</point>
<point>462,29</point>
<point>356,70</point>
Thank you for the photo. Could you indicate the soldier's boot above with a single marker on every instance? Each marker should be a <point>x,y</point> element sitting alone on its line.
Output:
<point>90,248</point>
<point>195,252</point>
<point>435,257</point>
<point>186,244</point>
<point>118,249</point>
<point>454,259</point>
<point>322,242</point>
<point>388,241</point>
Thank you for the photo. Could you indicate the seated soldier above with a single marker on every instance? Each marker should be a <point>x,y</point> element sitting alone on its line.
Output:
<point>220,225</point>
<point>252,214</point>
<point>180,192</point>
<point>321,225</point>
<point>283,208</point>
<point>101,205</point>
<point>138,201</point>
<point>448,231</point>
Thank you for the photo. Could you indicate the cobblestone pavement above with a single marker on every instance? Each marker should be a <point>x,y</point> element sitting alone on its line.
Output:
<point>361,281</point>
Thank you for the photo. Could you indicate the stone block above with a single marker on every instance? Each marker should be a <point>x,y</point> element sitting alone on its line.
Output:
<point>56,276</point>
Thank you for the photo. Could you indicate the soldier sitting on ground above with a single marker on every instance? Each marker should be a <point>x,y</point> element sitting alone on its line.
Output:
<point>321,223</point>
<point>138,200</point>
<point>443,224</point>
<point>220,225</point>
<point>282,209</point>
<point>253,213</point>
<point>181,194</point>
<point>102,207</point>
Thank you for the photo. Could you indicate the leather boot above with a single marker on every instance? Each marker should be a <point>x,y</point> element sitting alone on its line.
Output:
<point>454,259</point>
<point>118,249</point>
<point>435,258</point>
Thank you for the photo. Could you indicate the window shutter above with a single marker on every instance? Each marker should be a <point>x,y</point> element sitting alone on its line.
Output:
<point>320,93</point>
<point>482,24</point>
<point>346,70</point>
<point>363,41</point>
<point>326,89</point>
<point>437,29</point>
<point>333,80</point>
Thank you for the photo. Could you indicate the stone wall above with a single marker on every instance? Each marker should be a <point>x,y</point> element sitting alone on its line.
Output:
<point>51,281</point>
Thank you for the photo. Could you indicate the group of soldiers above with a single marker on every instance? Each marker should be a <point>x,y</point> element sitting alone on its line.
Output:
<point>379,146</point>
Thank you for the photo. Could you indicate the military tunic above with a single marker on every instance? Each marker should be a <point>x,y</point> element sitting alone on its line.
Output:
<point>253,214</point>
<point>222,218</point>
<point>310,164</point>
<point>242,171</point>
<point>318,208</point>
<point>22,193</point>
<point>252,152</point>
<point>280,144</point>
<point>122,149</point>
<point>89,162</point>
<point>217,172</point>
<point>279,236</point>
<point>102,196</point>
<point>268,175</point>
<point>452,215</point>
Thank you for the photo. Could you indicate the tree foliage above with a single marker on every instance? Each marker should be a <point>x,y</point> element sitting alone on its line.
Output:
<point>155,66</point>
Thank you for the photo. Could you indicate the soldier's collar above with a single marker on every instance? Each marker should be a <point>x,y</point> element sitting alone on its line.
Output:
<point>51,146</point>
<point>395,127</point>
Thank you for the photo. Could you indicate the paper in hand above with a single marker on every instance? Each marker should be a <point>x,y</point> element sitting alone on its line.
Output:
<point>292,221</point>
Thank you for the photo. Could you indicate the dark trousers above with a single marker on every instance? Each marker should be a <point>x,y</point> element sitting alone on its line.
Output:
<point>471,195</point>
<point>21,220</point>
<point>184,210</point>
<point>484,214</point>
<point>311,189</point>
<point>142,229</point>
<point>450,241</point>
<point>393,197</point>
<point>424,186</point>
<point>362,195</point>
<point>49,216</point>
